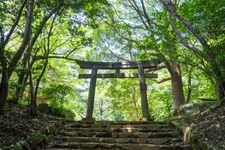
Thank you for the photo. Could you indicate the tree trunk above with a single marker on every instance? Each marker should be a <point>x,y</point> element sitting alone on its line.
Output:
<point>33,104</point>
<point>177,86</point>
<point>7,71</point>
<point>207,53</point>
<point>20,83</point>
<point>4,79</point>
<point>39,79</point>
<point>3,90</point>
<point>34,91</point>
<point>22,77</point>
<point>26,39</point>
<point>188,98</point>
<point>5,74</point>
<point>221,92</point>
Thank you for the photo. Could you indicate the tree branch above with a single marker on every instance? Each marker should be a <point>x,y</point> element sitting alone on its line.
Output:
<point>26,39</point>
<point>200,38</point>
<point>134,5</point>
<point>123,37</point>
<point>42,24</point>
<point>159,67</point>
<point>116,55</point>
<point>36,58</point>
<point>15,24</point>
<point>162,80</point>
<point>146,15</point>
<point>184,41</point>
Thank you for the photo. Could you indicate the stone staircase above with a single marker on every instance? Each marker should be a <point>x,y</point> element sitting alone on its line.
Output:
<point>107,135</point>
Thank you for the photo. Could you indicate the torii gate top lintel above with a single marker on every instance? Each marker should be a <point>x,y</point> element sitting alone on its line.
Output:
<point>117,65</point>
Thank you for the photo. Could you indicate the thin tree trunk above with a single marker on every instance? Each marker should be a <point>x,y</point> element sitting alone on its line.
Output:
<point>25,83</point>
<point>19,89</point>
<point>101,108</point>
<point>39,79</point>
<point>222,85</point>
<point>3,90</point>
<point>7,71</point>
<point>177,86</point>
<point>26,39</point>
<point>33,104</point>
<point>21,78</point>
<point>4,79</point>
<point>170,7</point>
<point>4,84</point>
<point>188,98</point>
<point>221,92</point>
<point>25,80</point>
<point>34,92</point>
<point>208,55</point>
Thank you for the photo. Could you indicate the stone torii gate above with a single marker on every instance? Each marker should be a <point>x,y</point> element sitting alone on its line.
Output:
<point>117,66</point>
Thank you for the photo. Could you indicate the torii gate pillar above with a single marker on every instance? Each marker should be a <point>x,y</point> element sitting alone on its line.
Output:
<point>143,91</point>
<point>91,95</point>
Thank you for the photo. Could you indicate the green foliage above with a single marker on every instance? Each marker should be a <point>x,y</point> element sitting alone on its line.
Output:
<point>62,111</point>
<point>55,94</point>
<point>160,101</point>
<point>19,145</point>
<point>56,91</point>
<point>118,115</point>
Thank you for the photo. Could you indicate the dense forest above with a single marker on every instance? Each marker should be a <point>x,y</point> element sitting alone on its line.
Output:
<point>40,41</point>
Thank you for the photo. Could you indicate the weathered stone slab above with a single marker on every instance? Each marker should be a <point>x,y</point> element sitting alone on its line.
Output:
<point>89,145</point>
<point>162,135</point>
<point>86,134</point>
<point>103,134</point>
<point>88,120</point>
<point>69,133</point>
<point>141,135</point>
<point>128,146</point>
<point>115,134</point>
<point>142,140</point>
<point>125,135</point>
<point>106,140</point>
<point>123,140</point>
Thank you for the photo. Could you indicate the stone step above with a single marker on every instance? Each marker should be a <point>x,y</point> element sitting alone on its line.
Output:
<point>156,141</point>
<point>57,149</point>
<point>118,122</point>
<point>108,129</point>
<point>143,135</point>
<point>140,126</point>
<point>129,122</point>
<point>108,135</point>
<point>119,146</point>
<point>119,134</point>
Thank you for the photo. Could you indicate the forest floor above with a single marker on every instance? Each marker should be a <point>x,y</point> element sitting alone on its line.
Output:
<point>208,125</point>
<point>16,125</point>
